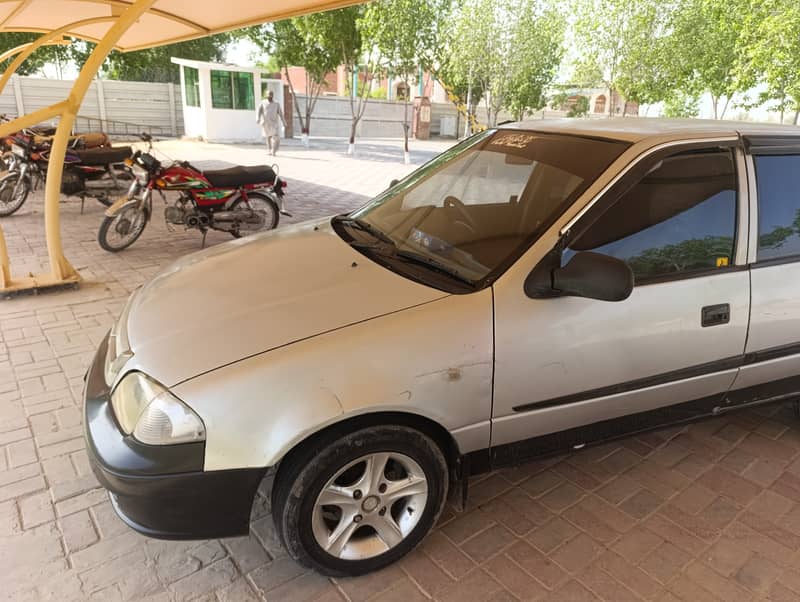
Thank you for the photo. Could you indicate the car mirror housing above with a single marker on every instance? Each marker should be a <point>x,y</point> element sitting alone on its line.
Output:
<point>587,274</point>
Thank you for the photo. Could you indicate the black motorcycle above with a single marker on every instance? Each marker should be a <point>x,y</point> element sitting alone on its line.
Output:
<point>98,173</point>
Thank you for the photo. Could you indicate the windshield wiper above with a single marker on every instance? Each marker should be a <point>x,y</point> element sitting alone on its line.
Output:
<point>366,227</point>
<point>420,259</point>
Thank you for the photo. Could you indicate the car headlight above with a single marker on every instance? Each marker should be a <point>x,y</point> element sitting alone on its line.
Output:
<point>152,414</point>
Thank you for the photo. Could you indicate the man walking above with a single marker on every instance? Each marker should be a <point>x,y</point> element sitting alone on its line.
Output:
<point>270,115</point>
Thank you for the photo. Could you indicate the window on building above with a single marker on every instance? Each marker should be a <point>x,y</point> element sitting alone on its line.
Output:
<point>232,90</point>
<point>778,206</point>
<point>680,218</point>
<point>191,85</point>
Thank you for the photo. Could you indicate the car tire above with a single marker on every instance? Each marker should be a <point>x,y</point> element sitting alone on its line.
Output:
<point>375,515</point>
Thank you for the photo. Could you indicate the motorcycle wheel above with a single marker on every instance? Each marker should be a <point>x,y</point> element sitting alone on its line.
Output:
<point>260,203</point>
<point>121,231</point>
<point>13,193</point>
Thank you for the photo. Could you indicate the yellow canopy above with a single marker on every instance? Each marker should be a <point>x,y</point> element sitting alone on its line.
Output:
<point>167,21</point>
<point>125,25</point>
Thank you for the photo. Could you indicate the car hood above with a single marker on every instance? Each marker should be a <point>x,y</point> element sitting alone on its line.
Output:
<point>255,294</point>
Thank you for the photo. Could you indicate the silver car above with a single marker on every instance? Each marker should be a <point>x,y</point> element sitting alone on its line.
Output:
<point>535,289</point>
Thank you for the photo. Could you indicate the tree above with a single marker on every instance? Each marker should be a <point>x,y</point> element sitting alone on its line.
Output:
<point>625,48</point>
<point>57,55</point>
<point>310,42</point>
<point>154,65</point>
<point>509,50</point>
<point>536,52</point>
<point>705,47</point>
<point>580,108</point>
<point>406,34</point>
<point>679,104</point>
<point>644,73</point>
<point>771,41</point>
<point>600,33</point>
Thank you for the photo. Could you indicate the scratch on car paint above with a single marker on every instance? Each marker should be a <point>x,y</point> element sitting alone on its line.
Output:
<point>554,365</point>
<point>452,373</point>
<point>336,397</point>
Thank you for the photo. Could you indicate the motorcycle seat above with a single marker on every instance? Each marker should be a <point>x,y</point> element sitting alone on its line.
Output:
<point>240,175</point>
<point>104,156</point>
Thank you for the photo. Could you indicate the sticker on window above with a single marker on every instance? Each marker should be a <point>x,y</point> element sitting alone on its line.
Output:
<point>513,140</point>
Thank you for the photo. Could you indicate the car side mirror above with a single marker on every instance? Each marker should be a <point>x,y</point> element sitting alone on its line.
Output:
<point>587,274</point>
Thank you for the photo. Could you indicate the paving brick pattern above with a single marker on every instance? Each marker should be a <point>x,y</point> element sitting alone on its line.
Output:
<point>700,513</point>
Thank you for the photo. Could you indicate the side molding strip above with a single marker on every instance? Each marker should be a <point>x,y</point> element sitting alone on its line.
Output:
<point>728,363</point>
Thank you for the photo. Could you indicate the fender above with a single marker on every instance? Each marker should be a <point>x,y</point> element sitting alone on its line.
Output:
<point>116,206</point>
<point>124,201</point>
<point>257,409</point>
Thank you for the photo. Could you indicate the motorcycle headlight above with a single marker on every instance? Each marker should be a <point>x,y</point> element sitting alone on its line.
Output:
<point>152,414</point>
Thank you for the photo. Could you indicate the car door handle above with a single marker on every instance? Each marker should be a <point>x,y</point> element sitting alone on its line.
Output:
<point>713,315</point>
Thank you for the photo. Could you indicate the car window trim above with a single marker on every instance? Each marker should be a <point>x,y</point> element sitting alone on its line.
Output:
<point>638,168</point>
<point>700,273</point>
<point>760,151</point>
<point>637,162</point>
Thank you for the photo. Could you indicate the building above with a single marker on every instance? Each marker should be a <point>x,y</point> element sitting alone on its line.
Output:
<point>220,100</point>
<point>338,83</point>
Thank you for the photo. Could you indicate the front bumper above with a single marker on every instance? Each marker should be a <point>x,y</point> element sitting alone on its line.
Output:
<point>162,491</point>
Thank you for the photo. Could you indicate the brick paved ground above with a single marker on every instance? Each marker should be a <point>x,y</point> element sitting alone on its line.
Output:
<point>707,512</point>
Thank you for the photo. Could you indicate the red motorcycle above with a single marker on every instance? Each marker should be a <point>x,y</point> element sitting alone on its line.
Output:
<point>239,200</point>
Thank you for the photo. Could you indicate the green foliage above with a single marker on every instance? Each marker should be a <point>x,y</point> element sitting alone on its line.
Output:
<point>379,93</point>
<point>705,46</point>
<point>558,102</point>
<point>507,51</point>
<point>580,108</point>
<point>771,34</point>
<point>624,47</point>
<point>406,34</point>
<point>58,55</point>
<point>679,104</point>
<point>154,65</point>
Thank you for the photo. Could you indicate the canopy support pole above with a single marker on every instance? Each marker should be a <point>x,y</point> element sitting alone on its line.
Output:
<point>61,271</point>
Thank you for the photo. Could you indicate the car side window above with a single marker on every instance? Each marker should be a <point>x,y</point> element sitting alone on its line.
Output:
<point>778,178</point>
<point>678,219</point>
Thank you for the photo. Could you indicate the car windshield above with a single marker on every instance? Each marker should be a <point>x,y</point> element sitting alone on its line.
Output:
<point>468,214</point>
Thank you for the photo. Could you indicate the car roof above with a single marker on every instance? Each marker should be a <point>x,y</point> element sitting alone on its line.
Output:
<point>635,129</point>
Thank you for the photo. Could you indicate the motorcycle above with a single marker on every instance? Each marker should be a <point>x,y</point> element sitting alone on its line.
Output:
<point>98,173</point>
<point>239,200</point>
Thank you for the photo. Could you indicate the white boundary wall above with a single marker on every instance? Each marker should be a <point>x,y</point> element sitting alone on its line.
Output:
<point>116,107</point>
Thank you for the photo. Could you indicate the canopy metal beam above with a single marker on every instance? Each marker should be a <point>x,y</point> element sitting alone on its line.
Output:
<point>61,271</point>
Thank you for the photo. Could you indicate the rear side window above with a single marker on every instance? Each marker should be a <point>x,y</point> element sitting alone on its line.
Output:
<point>778,178</point>
<point>680,218</point>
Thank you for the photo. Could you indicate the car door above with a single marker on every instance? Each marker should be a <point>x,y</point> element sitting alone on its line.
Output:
<point>569,369</point>
<point>772,356</point>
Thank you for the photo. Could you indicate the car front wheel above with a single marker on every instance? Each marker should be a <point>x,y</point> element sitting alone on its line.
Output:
<point>356,503</point>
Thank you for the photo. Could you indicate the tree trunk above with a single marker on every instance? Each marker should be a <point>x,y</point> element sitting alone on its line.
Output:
<point>353,126</point>
<point>715,103</point>
<point>468,122</point>
<point>406,127</point>
<point>303,125</point>
<point>610,101</point>
<point>797,117</point>
<point>725,107</point>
